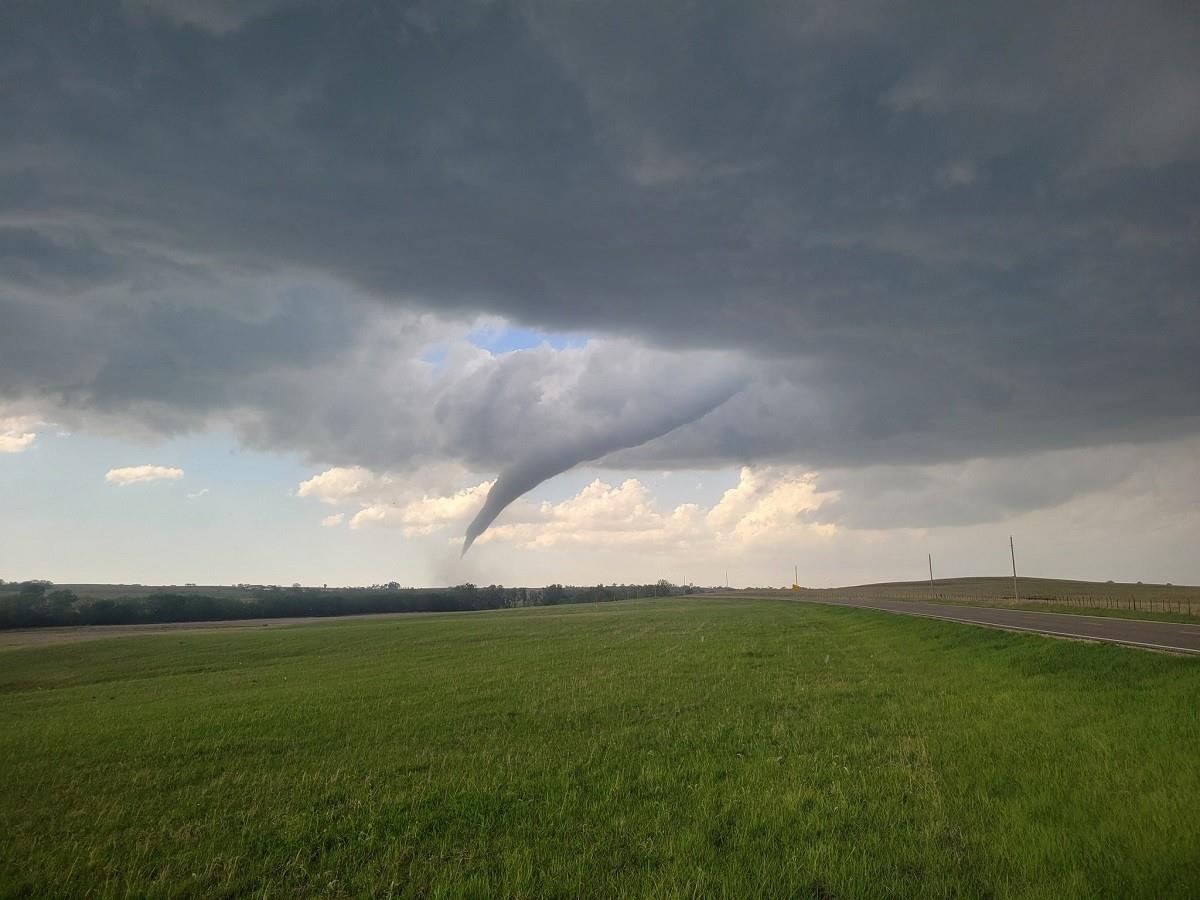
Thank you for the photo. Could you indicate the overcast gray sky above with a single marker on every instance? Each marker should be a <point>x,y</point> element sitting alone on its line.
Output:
<point>893,274</point>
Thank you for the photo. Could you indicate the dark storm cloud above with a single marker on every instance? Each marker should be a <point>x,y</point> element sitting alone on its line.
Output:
<point>983,490</point>
<point>930,233</point>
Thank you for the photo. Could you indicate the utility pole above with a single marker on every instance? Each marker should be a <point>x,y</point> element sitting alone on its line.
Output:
<point>1012,550</point>
<point>796,580</point>
<point>930,571</point>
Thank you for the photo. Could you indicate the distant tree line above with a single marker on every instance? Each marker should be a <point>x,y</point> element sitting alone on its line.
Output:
<point>32,604</point>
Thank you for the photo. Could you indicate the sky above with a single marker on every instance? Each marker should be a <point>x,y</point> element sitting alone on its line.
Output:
<point>301,292</point>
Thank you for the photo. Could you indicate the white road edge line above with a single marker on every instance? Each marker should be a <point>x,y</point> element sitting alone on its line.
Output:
<point>1080,637</point>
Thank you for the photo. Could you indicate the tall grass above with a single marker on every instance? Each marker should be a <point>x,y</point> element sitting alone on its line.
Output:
<point>676,748</point>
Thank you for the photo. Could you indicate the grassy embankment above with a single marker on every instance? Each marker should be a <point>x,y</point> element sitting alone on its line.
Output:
<point>699,747</point>
<point>1162,602</point>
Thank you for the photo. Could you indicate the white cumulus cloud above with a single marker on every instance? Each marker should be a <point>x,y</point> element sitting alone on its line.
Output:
<point>138,474</point>
<point>15,441</point>
<point>768,505</point>
<point>333,521</point>
<point>18,433</point>
<point>420,502</point>
<point>342,484</point>
<point>769,501</point>
<point>426,514</point>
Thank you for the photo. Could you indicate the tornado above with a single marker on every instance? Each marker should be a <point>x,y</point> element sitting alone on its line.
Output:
<point>640,422</point>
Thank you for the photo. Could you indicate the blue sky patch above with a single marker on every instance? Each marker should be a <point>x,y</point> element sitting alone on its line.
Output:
<point>509,338</point>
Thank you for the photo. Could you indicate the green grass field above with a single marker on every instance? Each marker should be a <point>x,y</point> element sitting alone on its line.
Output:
<point>1165,602</point>
<point>674,748</point>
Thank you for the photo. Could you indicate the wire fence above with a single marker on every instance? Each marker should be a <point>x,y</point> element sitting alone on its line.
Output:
<point>1132,602</point>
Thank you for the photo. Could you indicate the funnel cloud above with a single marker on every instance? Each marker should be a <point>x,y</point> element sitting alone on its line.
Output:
<point>643,420</point>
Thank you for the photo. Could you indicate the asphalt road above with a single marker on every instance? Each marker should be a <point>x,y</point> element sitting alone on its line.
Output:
<point>1172,636</point>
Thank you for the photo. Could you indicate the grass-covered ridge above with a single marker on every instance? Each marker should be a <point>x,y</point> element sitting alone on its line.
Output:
<point>1168,602</point>
<point>698,747</point>
<point>1120,600</point>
